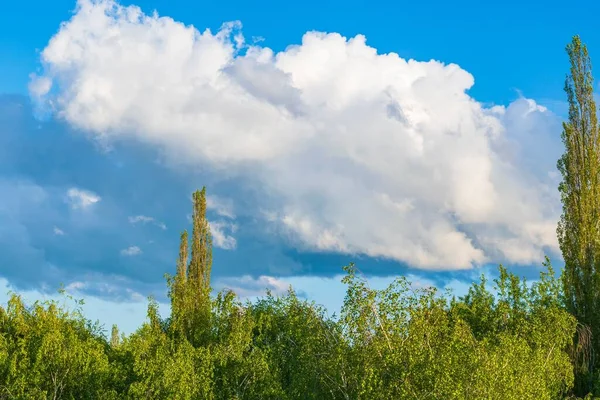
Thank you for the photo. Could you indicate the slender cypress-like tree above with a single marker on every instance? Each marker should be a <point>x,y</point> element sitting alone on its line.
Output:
<point>579,227</point>
<point>115,340</point>
<point>190,288</point>
<point>201,262</point>
<point>178,288</point>
<point>183,258</point>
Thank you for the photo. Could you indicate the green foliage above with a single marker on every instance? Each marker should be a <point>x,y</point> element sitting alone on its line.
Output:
<point>304,349</point>
<point>399,342</point>
<point>417,343</point>
<point>579,227</point>
<point>190,289</point>
<point>49,353</point>
<point>164,368</point>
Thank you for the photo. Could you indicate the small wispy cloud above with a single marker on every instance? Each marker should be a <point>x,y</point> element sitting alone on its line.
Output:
<point>58,232</point>
<point>220,238</point>
<point>79,198</point>
<point>143,219</point>
<point>131,251</point>
<point>223,207</point>
<point>39,86</point>
<point>248,286</point>
<point>114,287</point>
<point>140,218</point>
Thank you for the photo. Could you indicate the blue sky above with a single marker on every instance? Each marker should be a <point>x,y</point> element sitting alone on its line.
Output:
<point>514,45</point>
<point>317,145</point>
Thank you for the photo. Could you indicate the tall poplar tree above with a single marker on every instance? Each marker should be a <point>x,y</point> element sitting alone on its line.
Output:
<point>579,227</point>
<point>201,262</point>
<point>183,257</point>
<point>115,340</point>
<point>190,288</point>
<point>178,287</point>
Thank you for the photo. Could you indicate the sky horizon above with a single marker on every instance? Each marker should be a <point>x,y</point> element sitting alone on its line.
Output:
<point>422,146</point>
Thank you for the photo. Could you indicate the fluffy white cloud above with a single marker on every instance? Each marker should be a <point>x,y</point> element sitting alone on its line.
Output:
<point>359,152</point>
<point>131,251</point>
<point>79,198</point>
<point>58,232</point>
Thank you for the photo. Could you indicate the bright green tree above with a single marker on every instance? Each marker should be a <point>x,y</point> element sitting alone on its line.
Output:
<point>47,352</point>
<point>114,337</point>
<point>190,288</point>
<point>164,368</point>
<point>407,343</point>
<point>579,226</point>
<point>201,263</point>
<point>177,290</point>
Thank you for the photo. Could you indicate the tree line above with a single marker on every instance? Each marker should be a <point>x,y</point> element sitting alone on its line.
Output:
<point>515,341</point>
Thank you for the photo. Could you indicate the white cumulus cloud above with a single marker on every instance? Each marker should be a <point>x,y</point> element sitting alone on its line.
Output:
<point>359,152</point>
